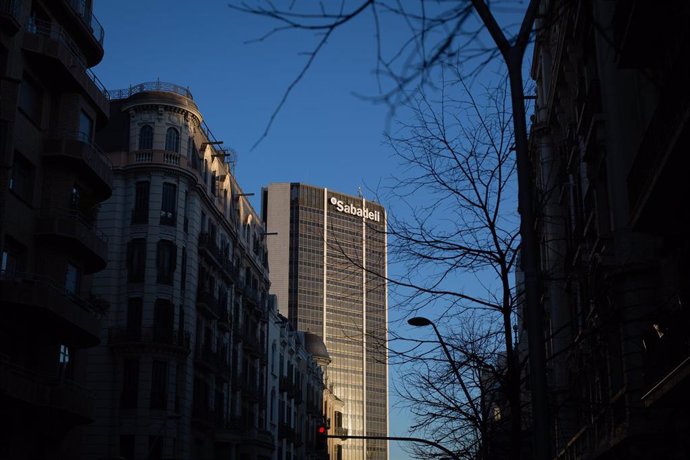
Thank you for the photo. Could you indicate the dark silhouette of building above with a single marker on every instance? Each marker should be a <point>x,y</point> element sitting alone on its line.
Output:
<point>52,181</point>
<point>610,141</point>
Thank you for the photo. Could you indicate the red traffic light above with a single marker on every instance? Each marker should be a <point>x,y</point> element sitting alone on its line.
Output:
<point>321,429</point>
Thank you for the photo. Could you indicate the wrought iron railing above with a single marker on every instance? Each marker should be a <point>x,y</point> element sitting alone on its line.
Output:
<point>55,32</point>
<point>86,15</point>
<point>151,86</point>
<point>48,287</point>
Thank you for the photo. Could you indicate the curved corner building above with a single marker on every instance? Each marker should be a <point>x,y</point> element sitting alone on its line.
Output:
<point>327,263</point>
<point>181,369</point>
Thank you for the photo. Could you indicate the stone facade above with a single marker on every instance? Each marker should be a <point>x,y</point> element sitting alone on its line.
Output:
<point>609,144</point>
<point>181,370</point>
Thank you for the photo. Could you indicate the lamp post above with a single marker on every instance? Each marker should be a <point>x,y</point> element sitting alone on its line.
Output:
<point>420,321</point>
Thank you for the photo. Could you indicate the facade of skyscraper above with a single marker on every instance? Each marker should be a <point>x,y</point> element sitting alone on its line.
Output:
<point>327,263</point>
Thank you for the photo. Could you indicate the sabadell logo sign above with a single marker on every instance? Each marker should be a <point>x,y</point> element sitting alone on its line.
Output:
<point>355,211</point>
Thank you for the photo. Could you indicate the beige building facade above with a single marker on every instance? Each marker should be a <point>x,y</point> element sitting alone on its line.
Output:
<point>181,370</point>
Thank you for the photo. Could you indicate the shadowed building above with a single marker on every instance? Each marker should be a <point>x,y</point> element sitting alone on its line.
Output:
<point>52,181</point>
<point>610,143</point>
<point>327,265</point>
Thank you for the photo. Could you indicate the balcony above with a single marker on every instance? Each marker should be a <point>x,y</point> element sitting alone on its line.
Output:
<point>285,431</point>
<point>213,361</point>
<point>340,431</point>
<point>667,357</point>
<point>9,16</point>
<point>251,343</point>
<point>87,28</point>
<point>44,390</point>
<point>655,181</point>
<point>252,391</point>
<point>224,319</point>
<point>150,157</point>
<point>75,151</point>
<point>206,302</point>
<point>159,86</point>
<point>172,341</point>
<point>68,227</point>
<point>42,300</point>
<point>203,416</point>
<point>209,248</point>
<point>254,296</point>
<point>65,63</point>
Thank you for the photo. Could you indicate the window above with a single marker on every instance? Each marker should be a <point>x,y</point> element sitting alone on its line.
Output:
<point>165,261</point>
<point>183,270</point>
<point>130,384</point>
<point>31,99</point>
<point>12,259</point>
<point>22,178</point>
<point>186,219</point>
<point>72,279</point>
<point>155,447</point>
<point>85,127</point>
<point>146,137</point>
<point>134,314</point>
<point>163,320</point>
<point>169,204</point>
<point>75,197</point>
<point>64,355</point>
<point>65,367</point>
<point>159,382</point>
<point>172,140</point>
<point>140,214</point>
<point>127,446</point>
<point>191,148</point>
<point>136,260</point>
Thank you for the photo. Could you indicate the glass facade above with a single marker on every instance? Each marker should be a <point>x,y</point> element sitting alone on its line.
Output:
<point>336,289</point>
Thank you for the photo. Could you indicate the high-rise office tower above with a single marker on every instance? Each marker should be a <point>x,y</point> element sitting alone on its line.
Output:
<point>327,265</point>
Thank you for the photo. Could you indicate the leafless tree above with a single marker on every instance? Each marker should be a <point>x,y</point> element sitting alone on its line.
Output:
<point>463,34</point>
<point>457,239</point>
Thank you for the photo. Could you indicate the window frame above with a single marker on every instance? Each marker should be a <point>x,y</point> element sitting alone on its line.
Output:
<point>145,137</point>
<point>172,140</point>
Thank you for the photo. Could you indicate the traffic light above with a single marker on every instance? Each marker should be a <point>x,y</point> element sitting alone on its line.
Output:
<point>321,436</point>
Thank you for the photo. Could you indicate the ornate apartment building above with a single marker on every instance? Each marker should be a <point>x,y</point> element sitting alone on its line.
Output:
<point>296,399</point>
<point>182,366</point>
<point>52,180</point>
<point>609,139</point>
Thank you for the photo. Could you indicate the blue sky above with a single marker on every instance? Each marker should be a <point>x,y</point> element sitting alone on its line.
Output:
<point>325,135</point>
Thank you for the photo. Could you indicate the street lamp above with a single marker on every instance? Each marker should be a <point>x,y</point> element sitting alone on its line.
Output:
<point>420,321</point>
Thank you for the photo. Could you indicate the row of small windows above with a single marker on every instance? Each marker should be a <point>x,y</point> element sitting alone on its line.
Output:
<point>172,139</point>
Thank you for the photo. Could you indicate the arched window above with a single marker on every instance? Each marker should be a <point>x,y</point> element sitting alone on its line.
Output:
<point>146,137</point>
<point>172,140</point>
